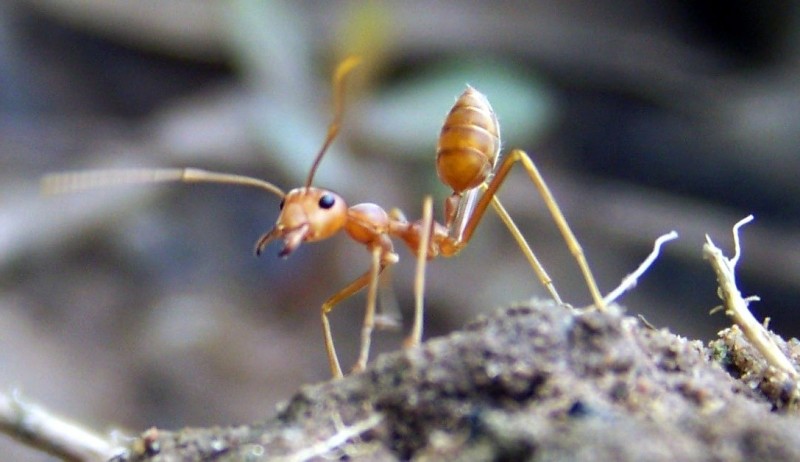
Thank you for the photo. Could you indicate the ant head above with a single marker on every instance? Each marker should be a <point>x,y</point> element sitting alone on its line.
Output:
<point>307,215</point>
<point>311,214</point>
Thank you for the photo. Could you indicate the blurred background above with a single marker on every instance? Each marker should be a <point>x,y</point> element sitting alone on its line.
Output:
<point>138,306</point>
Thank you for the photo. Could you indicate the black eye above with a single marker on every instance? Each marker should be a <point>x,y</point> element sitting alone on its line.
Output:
<point>283,201</point>
<point>326,201</point>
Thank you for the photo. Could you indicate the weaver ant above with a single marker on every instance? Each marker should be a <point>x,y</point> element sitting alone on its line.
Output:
<point>467,160</point>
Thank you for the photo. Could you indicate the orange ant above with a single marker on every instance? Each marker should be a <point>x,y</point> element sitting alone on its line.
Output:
<point>466,160</point>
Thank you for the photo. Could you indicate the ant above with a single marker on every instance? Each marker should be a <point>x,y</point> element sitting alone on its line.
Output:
<point>467,160</point>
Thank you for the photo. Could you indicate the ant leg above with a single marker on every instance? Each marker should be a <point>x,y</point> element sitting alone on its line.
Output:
<point>572,242</point>
<point>415,336</point>
<point>537,266</point>
<point>387,311</point>
<point>358,284</point>
<point>369,314</point>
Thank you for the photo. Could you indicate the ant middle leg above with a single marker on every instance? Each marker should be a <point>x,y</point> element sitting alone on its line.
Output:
<point>415,336</point>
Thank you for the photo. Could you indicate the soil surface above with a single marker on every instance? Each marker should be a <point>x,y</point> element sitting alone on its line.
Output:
<point>530,382</point>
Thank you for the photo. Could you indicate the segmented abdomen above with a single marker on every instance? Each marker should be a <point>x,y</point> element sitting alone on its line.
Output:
<point>469,142</point>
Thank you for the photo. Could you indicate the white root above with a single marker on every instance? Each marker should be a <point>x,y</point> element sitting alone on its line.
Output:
<point>629,281</point>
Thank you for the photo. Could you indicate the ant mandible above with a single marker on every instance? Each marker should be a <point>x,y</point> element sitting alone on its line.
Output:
<point>466,160</point>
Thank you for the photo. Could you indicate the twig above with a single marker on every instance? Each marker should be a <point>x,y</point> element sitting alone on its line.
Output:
<point>38,428</point>
<point>629,281</point>
<point>736,306</point>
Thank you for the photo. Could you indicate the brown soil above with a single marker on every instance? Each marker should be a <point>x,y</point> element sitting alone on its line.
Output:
<point>531,382</point>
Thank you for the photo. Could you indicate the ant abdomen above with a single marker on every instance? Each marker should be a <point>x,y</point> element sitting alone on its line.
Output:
<point>469,142</point>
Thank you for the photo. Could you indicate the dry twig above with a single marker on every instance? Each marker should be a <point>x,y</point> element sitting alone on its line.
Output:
<point>736,305</point>
<point>38,428</point>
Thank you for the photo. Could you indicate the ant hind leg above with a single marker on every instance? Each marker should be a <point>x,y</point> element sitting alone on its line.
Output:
<point>533,260</point>
<point>574,246</point>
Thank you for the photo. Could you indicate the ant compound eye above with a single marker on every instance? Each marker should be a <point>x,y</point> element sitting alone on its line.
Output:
<point>326,201</point>
<point>283,201</point>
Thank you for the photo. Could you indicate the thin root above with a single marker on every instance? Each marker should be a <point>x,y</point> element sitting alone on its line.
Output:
<point>630,280</point>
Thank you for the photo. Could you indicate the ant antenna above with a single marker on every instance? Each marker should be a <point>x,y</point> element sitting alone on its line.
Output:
<point>67,182</point>
<point>342,70</point>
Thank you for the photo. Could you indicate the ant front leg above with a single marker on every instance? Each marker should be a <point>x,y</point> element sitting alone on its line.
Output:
<point>369,314</point>
<point>381,258</point>
<point>569,237</point>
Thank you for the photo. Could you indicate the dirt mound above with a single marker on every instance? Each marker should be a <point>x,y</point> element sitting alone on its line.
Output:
<point>532,382</point>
